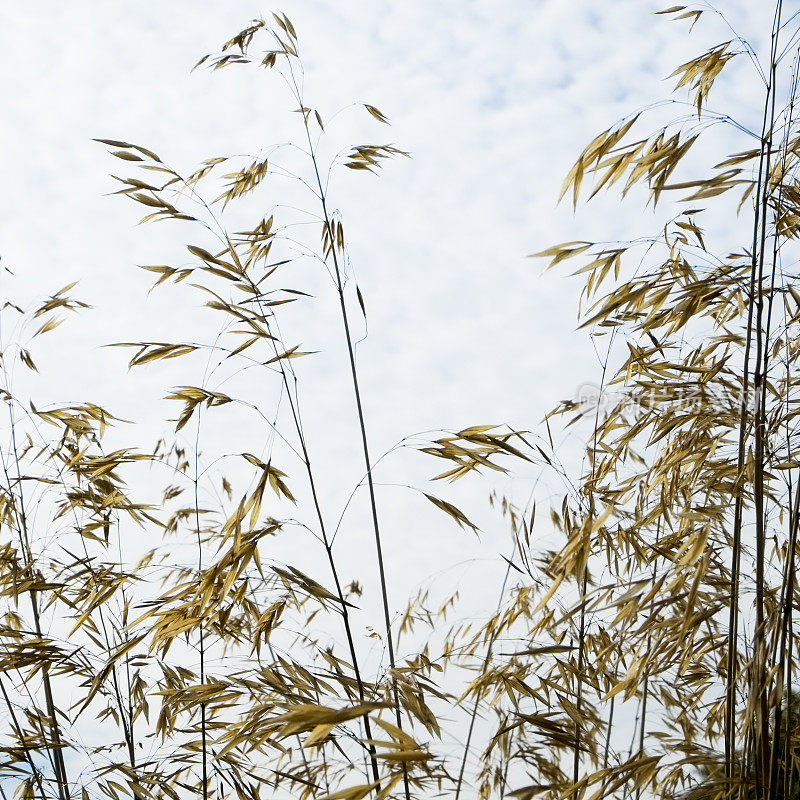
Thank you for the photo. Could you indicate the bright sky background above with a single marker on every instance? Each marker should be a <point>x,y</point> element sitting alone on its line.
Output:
<point>494,100</point>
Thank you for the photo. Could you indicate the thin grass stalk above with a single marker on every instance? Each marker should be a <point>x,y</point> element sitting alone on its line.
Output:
<point>327,543</point>
<point>787,590</point>
<point>787,583</point>
<point>36,775</point>
<point>584,580</point>
<point>648,650</point>
<point>127,721</point>
<point>736,546</point>
<point>370,484</point>
<point>787,609</point>
<point>576,757</point>
<point>300,741</point>
<point>306,459</point>
<point>609,728</point>
<point>328,550</point>
<point>788,756</point>
<point>643,720</point>
<point>203,722</point>
<point>762,339</point>
<point>42,732</point>
<point>474,713</point>
<point>362,427</point>
<point>128,728</point>
<point>770,303</point>
<point>55,728</point>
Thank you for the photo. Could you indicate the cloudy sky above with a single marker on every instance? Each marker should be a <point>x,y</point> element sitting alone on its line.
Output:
<point>492,99</point>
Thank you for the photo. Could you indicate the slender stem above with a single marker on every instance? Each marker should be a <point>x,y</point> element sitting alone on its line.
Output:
<point>474,714</point>
<point>736,547</point>
<point>21,739</point>
<point>55,728</point>
<point>306,459</point>
<point>203,722</point>
<point>362,428</point>
<point>327,543</point>
<point>370,482</point>
<point>787,583</point>
<point>762,754</point>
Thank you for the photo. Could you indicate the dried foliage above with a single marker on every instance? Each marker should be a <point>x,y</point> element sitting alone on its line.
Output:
<point>652,652</point>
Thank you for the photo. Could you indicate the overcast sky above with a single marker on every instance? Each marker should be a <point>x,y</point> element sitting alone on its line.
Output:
<point>493,100</point>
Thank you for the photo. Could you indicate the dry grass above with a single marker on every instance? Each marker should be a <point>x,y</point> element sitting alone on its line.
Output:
<point>653,652</point>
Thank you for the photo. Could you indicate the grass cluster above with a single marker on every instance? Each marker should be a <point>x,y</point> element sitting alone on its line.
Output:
<point>651,652</point>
